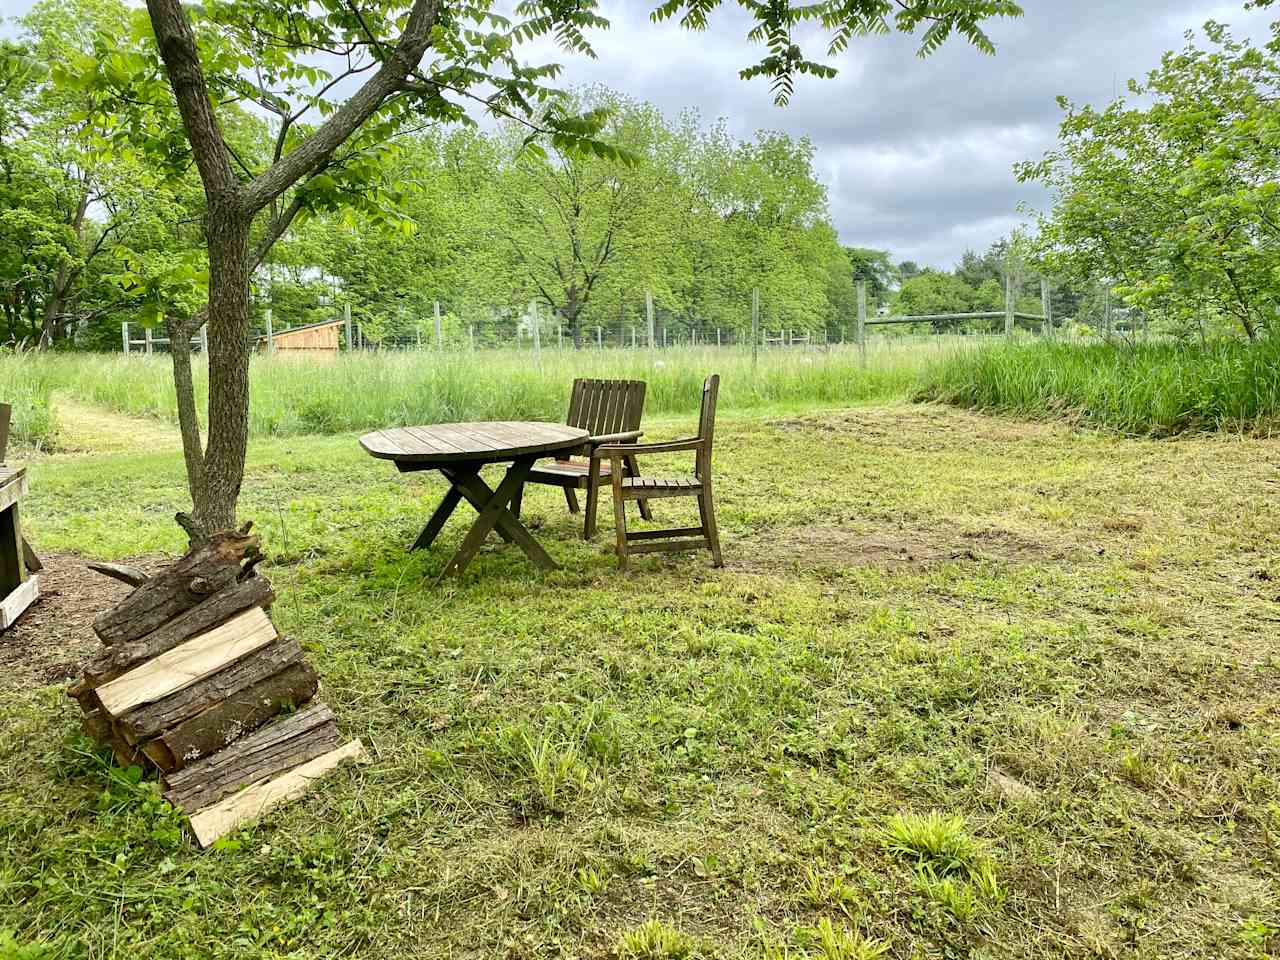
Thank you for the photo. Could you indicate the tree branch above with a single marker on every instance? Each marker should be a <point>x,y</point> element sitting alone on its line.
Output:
<point>344,121</point>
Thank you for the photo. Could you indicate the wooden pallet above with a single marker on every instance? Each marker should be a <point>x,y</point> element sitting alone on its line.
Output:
<point>19,585</point>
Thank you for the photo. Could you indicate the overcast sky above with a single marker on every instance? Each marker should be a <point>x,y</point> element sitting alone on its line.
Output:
<point>916,154</point>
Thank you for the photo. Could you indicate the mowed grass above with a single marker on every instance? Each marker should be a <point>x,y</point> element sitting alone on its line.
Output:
<point>1148,389</point>
<point>966,688</point>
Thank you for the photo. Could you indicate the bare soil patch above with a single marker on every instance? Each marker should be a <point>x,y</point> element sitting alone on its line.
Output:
<point>55,635</point>
<point>831,547</point>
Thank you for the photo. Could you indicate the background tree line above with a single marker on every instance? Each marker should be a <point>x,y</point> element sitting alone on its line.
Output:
<point>97,227</point>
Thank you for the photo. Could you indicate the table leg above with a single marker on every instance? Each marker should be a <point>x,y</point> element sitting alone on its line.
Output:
<point>445,510</point>
<point>495,514</point>
<point>476,493</point>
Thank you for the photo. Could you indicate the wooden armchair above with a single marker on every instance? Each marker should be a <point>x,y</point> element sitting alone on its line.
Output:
<point>632,486</point>
<point>610,411</point>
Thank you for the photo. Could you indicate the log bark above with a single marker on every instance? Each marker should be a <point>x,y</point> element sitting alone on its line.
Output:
<point>119,659</point>
<point>97,726</point>
<point>208,567</point>
<point>239,714</point>
<point>149,719</point>
<point>287,743</point>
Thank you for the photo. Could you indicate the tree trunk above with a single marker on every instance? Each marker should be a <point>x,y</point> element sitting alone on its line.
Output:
<point>63,279</point>
<point>227,228</point>
<point>188,422</point>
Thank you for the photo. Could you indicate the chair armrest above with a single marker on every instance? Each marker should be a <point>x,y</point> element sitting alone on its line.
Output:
<point>628,436</point>
<point>630,449</point>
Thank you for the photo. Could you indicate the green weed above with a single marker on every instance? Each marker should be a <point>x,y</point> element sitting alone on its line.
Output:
<point>655,940</point>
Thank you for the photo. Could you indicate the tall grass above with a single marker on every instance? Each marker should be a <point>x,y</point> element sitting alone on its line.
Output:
<point>26,386</point>
<point>291,396</point>
<point>1146,389</point>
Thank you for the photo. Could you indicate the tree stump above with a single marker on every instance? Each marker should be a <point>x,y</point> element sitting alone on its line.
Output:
<point>196,683</point>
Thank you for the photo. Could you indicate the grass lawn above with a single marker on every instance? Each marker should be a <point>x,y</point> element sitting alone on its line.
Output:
<point>967,687</point>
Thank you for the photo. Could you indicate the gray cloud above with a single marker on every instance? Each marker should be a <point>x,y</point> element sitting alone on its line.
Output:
<point>916,154</point>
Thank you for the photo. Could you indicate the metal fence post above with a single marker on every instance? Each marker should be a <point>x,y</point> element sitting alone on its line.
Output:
<point>271,343</point>
<point>439,329</point>
<point>124,335</point>
<point>146,336</point>
<point>346,321</point>
<point>204,339</point>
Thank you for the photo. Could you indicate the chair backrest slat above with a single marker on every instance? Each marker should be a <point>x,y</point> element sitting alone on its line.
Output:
<point>602,407</point>
<point>707,419</point>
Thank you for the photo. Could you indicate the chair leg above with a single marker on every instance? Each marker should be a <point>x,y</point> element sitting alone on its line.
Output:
<point>593,500</point>
<point>633,470</point>
<point>707,511</point>
<point>619,515</point>
<point>571,498</point>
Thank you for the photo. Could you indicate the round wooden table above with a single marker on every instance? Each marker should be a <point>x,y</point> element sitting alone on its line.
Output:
<point>458,451</point>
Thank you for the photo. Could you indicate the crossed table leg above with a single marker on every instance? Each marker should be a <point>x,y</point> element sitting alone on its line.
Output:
<point>492,507</point>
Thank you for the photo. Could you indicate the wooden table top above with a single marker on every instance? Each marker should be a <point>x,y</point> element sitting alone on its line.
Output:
<point>10,473</point>
<point>489,441</point>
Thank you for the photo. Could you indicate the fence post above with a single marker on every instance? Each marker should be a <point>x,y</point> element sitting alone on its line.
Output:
<point>1046,307</point>
<point>1008,303</point>
<point>648,310</point>
<point>146,336</point>
<point>862,322</point>
<point>537,331</point>
<point>439,329</point>
<point>559,336</point>
<point>124,335</point>
<point>471,334</point>
<point>1106,314</point>
<point>755,326</point>
<point>271,343</point>
<point>204,339</point>
<point>346,322</point>
<point>633,336</point>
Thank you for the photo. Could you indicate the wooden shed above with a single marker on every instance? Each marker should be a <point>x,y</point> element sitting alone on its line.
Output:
<point>315,339</point>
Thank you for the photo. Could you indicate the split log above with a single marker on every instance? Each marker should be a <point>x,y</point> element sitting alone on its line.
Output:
<point>205,569</point>
<point>287,743</point>
<point>225,722</point>
<point>188,663</point>
<point>119,571</point>
<point>97,726</point>
<point>224,816</point>
<point>118,660</point>
<point>150,719</point>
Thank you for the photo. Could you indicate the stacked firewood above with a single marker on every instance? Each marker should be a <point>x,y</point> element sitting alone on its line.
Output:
<point>196,682</point>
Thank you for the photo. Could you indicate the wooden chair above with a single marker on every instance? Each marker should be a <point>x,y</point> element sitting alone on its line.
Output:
<point>610,411</point>
<point>635,487</point>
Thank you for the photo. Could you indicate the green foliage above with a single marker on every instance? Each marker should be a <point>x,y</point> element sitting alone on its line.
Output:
<point>1175,202</point>
<point>1147,389</point>
<point>775,25</point>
